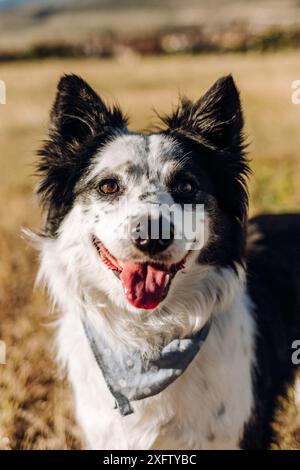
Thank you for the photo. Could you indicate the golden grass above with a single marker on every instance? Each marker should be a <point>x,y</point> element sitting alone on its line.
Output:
<point>35,402</point>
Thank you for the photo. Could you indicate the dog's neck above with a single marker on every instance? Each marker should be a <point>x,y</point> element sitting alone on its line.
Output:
<point>142,378</point>
<point>200,295</point>
<point>194,297</point>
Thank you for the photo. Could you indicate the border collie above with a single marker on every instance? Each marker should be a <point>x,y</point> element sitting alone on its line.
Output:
<point>166,347</point>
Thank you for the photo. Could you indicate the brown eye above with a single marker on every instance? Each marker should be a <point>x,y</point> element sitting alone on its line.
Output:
<point>109,187</point>
<point>185,187</point>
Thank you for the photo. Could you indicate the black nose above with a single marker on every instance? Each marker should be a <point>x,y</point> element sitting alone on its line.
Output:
<point>153,236</point>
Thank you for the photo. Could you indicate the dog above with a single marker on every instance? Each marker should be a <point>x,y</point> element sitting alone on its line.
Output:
<point>141,294</point>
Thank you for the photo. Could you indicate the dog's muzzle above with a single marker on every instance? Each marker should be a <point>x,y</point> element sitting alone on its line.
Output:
<point>131,378</point>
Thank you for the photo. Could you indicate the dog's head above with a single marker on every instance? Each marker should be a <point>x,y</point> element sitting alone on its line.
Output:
<point>121,204</point>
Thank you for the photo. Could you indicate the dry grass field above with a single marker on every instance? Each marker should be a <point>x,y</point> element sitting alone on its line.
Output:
<point>35,401</point>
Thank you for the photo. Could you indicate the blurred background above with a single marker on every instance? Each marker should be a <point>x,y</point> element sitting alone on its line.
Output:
<point>142,53</point>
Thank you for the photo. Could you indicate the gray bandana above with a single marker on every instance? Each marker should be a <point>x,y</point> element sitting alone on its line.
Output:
<point>131,378</point>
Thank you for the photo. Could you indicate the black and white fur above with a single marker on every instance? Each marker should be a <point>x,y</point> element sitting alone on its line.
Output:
<point>227,397</point>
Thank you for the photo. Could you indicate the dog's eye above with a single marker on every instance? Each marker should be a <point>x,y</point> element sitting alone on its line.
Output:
<point>184,187</point>
<point>109,187</point>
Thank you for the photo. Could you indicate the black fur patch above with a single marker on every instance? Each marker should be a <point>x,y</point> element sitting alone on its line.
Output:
<point>273,279</point>
<point>211,133</point>
<point>213,127</point>
<point>80,124</point>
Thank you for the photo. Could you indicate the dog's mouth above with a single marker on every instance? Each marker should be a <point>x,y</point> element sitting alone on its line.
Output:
<point>145,284</point>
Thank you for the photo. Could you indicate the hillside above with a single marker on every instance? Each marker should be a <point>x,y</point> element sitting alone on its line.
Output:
<point>23,22</point>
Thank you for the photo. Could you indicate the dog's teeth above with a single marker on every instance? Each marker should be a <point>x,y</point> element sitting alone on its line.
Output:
<point>167,279</point>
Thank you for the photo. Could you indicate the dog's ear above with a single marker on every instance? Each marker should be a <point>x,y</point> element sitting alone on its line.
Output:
<point>79,113</point>
<point>215,122</point>
<point>216,118</point>
<point>80,124</point>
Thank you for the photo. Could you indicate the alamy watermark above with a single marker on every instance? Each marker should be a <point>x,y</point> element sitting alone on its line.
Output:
<point>2,101</point>
<point>295,97</point>
<point>2,352</point>
<point>2,92</point>
<point>162,221</point>
<point>296,354</point>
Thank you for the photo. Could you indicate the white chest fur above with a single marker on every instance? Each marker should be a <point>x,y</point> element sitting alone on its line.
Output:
<point>206,408</point>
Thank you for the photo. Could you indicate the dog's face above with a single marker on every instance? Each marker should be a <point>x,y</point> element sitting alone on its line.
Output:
<point>125,201</point>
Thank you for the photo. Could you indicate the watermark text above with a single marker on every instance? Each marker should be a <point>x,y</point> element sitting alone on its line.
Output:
<point>2,92</point>
<point>2,352</point>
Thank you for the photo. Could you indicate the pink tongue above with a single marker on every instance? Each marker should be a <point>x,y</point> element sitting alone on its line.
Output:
<point>143,284</point>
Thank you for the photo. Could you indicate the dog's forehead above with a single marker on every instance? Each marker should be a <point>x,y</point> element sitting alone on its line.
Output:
<point>137,154</point>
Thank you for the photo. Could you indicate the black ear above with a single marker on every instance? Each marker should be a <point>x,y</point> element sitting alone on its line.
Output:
<point>80,124</point>
<point>216,118</point>
<point>79,113</point>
